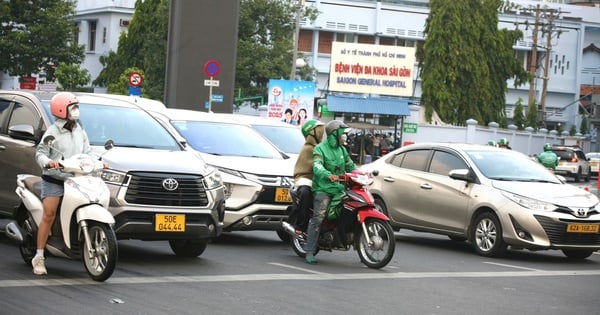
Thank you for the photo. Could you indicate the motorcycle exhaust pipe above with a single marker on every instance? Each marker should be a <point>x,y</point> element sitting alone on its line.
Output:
<point>15,233</point>
<point>289,229</point>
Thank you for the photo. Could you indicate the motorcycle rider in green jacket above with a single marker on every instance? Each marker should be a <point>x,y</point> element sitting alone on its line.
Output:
<point>330,160</point>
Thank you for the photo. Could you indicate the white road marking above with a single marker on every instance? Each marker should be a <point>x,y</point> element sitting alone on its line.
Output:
<point>296,268</point>
<point>376,275</point>
<point>511,266</point>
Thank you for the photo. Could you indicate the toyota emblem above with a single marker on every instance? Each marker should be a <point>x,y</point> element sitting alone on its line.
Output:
<point>582,212</point>
<point>170,184</point>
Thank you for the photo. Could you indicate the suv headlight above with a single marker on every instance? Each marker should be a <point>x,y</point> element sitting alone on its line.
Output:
<point>113,177</point>
<point>213,179</point>
<point>530,203</point>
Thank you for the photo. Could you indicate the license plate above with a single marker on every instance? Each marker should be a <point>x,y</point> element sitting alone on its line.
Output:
<point>282,195</point>
<point>583,228</point>
<point>170,223</point>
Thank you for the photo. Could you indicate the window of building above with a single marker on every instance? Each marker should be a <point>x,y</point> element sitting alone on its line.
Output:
<point>305,41</point>
<point>92,35</point>
<point>325,40</point>
<point>345,37</point>
<point>104,35</point>
<point>76,30</point>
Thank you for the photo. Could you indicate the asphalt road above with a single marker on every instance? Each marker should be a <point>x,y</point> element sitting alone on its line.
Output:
<point>255,273</point>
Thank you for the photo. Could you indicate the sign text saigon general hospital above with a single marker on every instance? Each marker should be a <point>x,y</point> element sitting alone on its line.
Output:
<point>372,69</point>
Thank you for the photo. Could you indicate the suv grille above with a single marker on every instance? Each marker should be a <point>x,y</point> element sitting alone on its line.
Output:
<point>147,188</point>
<point>557,233</point>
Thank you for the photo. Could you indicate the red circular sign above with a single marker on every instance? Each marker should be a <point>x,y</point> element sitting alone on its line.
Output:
<point>136,79</point>
<point>212,68</point>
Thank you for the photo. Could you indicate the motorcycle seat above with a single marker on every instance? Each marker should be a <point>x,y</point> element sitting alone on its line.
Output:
<point>34,184</point>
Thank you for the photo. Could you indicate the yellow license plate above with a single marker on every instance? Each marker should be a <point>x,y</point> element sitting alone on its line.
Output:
<point>282,195</point>
<point>170,223</point>
<point>583,228</point>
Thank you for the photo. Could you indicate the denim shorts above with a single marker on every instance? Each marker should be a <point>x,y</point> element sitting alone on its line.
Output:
<point>52,189</point>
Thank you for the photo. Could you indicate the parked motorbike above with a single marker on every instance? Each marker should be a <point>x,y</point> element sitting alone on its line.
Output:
<point>358,225</point>
<point>83,225</point>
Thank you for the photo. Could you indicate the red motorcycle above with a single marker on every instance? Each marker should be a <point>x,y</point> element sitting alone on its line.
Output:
<point>358,224</point>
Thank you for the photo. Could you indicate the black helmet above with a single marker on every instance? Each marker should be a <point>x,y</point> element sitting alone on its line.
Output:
<point>334,125</point>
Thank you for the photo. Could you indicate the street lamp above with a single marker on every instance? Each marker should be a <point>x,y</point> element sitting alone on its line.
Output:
<point>300,63</point>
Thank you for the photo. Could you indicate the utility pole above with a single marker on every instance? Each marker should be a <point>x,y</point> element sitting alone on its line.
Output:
<point>299,4</point>
<point>533,65</point>
<point>548,30</point>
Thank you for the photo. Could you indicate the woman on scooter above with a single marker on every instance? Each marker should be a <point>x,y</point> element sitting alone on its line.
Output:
<point>70,139</point>
<point>313,132</point>
<point>330,159</point>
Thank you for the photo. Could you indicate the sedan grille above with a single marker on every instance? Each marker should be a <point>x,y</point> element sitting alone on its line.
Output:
<point>147,188</point>
<point>557,233</point>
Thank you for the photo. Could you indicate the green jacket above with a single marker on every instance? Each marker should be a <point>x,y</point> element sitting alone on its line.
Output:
<point>548,159</point>
<point>330,158</point>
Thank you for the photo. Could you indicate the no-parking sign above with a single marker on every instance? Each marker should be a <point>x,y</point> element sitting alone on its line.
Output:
<point>212,68</point>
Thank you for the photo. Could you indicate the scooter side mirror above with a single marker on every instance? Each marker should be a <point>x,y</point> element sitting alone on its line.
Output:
<point>49,139</point>
<point>109,144</point>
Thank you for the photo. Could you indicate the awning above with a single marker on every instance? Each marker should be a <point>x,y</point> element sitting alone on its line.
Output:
<point>368,105</point>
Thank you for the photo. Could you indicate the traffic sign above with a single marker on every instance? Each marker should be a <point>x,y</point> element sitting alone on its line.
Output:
<point>218,98</point>
<point>211,83</point>
<point>212,68</point>
<point>136,79</point>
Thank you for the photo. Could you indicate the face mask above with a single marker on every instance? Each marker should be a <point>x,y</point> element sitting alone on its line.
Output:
<point>344,138</point>
<point>74,114</point>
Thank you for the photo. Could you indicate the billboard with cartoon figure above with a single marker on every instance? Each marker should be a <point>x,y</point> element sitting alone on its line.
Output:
<point>291,101</point>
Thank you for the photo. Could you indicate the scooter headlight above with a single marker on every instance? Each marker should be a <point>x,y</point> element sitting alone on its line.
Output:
<point>86,165</point>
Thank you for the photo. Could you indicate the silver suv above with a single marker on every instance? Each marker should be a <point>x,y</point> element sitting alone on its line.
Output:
<point>572,163</point>
<point>152,177</point>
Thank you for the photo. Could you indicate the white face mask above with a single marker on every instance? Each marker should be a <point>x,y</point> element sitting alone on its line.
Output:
<point>74,114</point>
<point>344,138</point>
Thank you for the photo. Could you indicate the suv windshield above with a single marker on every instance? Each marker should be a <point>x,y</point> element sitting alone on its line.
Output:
<point>288,140</point>
<point>126,126</point>
<point>225,139</point>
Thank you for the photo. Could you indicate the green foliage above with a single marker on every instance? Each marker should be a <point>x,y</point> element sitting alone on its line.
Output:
<point>37,34</point>
<point>466,61</point>
<point>584,129</point>
<point>144,46</point>
<point>573,130</point>
<point>265,44</point>
<point>518,117</point>
<point>72,76</point>
<point>532,115</point>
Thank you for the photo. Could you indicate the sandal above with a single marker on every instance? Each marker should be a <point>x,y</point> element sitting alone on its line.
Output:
<point>311,260</point>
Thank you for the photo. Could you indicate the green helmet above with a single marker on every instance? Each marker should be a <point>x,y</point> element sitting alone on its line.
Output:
<point>492,143</point>
<point>310,125</point>
<point>503,142</point>
<point>547,147</point>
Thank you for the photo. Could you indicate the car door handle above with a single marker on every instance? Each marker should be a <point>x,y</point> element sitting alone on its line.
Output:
<point>2,148</point>
<point>426,186</point>
<point>389,179</point>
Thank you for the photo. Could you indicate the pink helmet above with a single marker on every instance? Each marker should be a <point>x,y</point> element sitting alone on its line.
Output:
<point>60,103</point>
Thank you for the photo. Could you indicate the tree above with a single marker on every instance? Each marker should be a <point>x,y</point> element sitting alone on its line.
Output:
<point>466,61</point>
<point>143,47</point>
<point>584,128</point>
<point>35,36</point>
<point>518,117</point>
<point>265,46</point>
<point>532,114</point>
<point>72,76</point>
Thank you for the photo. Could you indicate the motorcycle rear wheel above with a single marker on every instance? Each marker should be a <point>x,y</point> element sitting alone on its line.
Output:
<point>101,265</point>
<point>298,244</point>
<point>383,244</point>
<point>28,248</point>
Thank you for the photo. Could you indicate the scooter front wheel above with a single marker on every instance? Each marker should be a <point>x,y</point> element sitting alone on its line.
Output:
<point>376,251</point>
<point>101,259</point>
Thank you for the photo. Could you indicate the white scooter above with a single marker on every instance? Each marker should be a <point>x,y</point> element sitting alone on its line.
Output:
<point>83,225</point>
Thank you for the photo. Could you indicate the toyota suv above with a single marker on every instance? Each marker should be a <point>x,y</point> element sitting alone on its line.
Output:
<point>256,174</point>
<point>572,163</point>
<point>151,175</point>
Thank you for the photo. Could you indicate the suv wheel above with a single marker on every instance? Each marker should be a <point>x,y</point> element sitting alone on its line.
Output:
<point>188,248</point>
<point>587,176</point>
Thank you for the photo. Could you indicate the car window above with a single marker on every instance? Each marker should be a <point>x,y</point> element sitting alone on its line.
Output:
<point>126,126</point>
<point>580,155</point>
<point>3,112</point>
<point>289,140</point>
<point>22,115</point>
<point>414,160</point>
<point>225,139</point>
<point>509,165</point>
<point>443,162</point>
<point>564,155</point>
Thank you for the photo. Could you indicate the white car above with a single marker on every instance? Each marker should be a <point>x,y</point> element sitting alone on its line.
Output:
<point>594,159</point>
<point>288,138</point>
<point>257,176</point>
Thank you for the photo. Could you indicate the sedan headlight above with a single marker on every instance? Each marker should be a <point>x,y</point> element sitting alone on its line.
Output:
<point>113,177</point>
<point>213,180</point>
<point>530,203</point>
